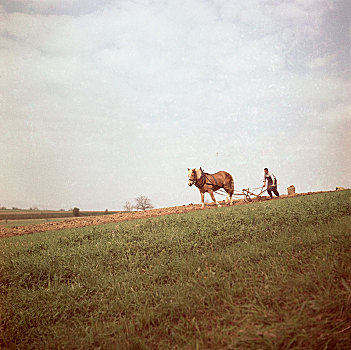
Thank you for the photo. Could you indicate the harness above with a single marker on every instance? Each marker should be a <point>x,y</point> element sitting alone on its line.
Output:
<point>199,183</point>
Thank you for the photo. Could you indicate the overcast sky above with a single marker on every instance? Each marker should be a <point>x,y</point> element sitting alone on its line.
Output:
<point>103,101</point>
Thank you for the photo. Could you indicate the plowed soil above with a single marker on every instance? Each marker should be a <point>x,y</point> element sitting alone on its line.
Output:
<point>124,216</point>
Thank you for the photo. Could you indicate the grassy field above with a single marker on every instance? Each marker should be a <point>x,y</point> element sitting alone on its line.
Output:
<point>26,222</point>
<point>270,275</point>
<point>23,214</point>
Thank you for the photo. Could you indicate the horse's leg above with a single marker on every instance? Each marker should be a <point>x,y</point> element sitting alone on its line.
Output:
<point>231,201</point>
<point>202,200</point>
<point>231,193</point>
<point>230,190</point>
<point>213,198</point>
<point>227,199</point>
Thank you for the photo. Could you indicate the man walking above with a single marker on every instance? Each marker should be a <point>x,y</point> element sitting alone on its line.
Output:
<point>272,183</point>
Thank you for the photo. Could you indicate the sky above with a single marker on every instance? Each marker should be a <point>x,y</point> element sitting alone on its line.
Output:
<point>104,101</point>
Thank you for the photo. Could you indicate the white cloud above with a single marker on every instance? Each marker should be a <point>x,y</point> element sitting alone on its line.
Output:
<point>158,85</point>
<point>53,7</point>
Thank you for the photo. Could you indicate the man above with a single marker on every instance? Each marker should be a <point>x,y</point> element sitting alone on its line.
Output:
<point>272,183</point>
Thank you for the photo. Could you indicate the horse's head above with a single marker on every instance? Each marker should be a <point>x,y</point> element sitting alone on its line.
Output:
<point>191,177</point>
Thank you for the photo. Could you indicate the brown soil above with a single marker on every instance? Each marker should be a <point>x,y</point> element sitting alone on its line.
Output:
<point>124,216</point>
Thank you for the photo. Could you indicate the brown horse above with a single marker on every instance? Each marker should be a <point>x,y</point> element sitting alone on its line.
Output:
<point>210,183</point>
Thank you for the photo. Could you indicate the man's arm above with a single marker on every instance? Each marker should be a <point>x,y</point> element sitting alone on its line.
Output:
<point>273,179</point>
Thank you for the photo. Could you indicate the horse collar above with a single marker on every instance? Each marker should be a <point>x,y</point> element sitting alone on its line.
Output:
<point>200,182</point>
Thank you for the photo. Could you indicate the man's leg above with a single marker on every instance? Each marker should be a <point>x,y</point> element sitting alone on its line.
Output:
<point>269,191</point>
<point>275,190</point>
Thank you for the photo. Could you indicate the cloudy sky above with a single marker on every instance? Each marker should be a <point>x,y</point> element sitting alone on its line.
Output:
<point>103,101</point>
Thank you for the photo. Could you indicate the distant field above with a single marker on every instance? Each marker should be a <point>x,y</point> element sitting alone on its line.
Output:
<point>26,222</point>
<point>10,214</point>
<point>270,275</point>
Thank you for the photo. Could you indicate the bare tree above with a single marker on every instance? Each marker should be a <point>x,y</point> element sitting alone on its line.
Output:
<point>143,203</point>
<point>128,206</point>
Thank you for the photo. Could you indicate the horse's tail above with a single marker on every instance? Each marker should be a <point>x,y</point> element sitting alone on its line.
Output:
<point>231,183</point>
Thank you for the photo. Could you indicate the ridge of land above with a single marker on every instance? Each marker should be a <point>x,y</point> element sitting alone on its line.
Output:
<point>126,216</point>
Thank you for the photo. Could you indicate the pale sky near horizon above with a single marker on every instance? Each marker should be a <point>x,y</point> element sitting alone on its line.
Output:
<point>103,101</point>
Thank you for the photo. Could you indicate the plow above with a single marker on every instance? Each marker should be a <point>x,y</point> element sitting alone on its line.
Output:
<point>249,195</point>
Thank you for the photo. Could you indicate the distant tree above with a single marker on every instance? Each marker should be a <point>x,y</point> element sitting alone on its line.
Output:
<point>106,211</point>
<point>3,208</point>
<point>143,203</point>
<point>75,211</point>
<point>128,206</point>
<point>14,208</point>
<point>61,209</point>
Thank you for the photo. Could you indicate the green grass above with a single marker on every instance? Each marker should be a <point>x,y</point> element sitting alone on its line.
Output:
<point>23,214</point>
<point>271,275</point>
<point>26,222</point>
